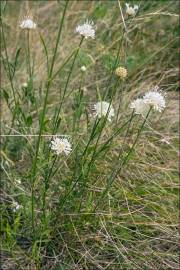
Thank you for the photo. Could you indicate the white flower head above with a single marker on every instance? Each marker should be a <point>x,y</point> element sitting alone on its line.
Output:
<point>139,106</point>
<point>155,99</point>
<point>83,68</point>
<point>102,108</point>
<point>87,29</point>
<point>16,206</point>
<point>130,10</point>
<point>60,145</point>
<point>27,23</point>
<point>25,85</point>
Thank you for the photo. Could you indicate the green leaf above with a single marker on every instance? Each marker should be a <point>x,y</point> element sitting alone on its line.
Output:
<point>16,62</point>
<point>29,120</point>
<point>89,202</point>
<point>6,95</point>
<point>45,50</point>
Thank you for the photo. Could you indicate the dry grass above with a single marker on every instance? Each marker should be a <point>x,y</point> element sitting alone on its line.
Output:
<point>136,224</point>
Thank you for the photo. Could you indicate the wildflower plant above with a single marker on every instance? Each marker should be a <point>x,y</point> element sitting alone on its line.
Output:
<point>93,185</point>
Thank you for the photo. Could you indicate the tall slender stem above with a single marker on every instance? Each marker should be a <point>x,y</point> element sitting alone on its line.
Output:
<point>124,162</point>
<point>46,187</point>
<point>11,82</point>
<point>137,137</point>
<point>34,166</point>
<point>28,53</point>
<point>67,82</point>
<point>127,132</point>
<point>7,59</point>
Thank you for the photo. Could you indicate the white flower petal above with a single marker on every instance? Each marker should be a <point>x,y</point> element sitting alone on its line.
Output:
<point>101,108</point>
<point>86,29</point>
<point>130,10</point>
<point>60,145</point>
<point>27,24</point>
<point>156,100</point>
<point>140,106</point>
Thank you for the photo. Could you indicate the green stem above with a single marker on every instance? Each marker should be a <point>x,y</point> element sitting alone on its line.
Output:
<point>46,187</point>
<point>78,100</point>
<point>67,82</point>
<point>7,59</point>
<point>57,113</point>
<point>34,166</point>
<point>77,180</point>
<point>99,136</point>
<point>124,162</point>
<point>115,64</point>
<point>135,142</point>
<point>11,83</point>
<point>120,102</point>
<point>62,66</point>
<point>28,53</point>
<point>132,115</point>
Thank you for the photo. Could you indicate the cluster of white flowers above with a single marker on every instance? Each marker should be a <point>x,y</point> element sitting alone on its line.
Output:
<point>87,29</point>
<point>61,145</point>
<point>131,10</point>
<point>103,108</point>
<point>27,23</point>
<point>153,99</point>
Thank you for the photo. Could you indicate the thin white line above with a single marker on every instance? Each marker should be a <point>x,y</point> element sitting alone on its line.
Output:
<point>33,135</point>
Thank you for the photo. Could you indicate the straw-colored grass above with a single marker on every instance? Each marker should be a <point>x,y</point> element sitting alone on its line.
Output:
<point>88,223</point>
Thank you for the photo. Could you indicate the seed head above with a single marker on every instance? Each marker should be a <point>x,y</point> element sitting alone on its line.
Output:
<point>121,72</point>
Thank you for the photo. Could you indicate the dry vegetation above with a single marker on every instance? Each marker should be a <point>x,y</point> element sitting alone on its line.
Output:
<point>135,225</point>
